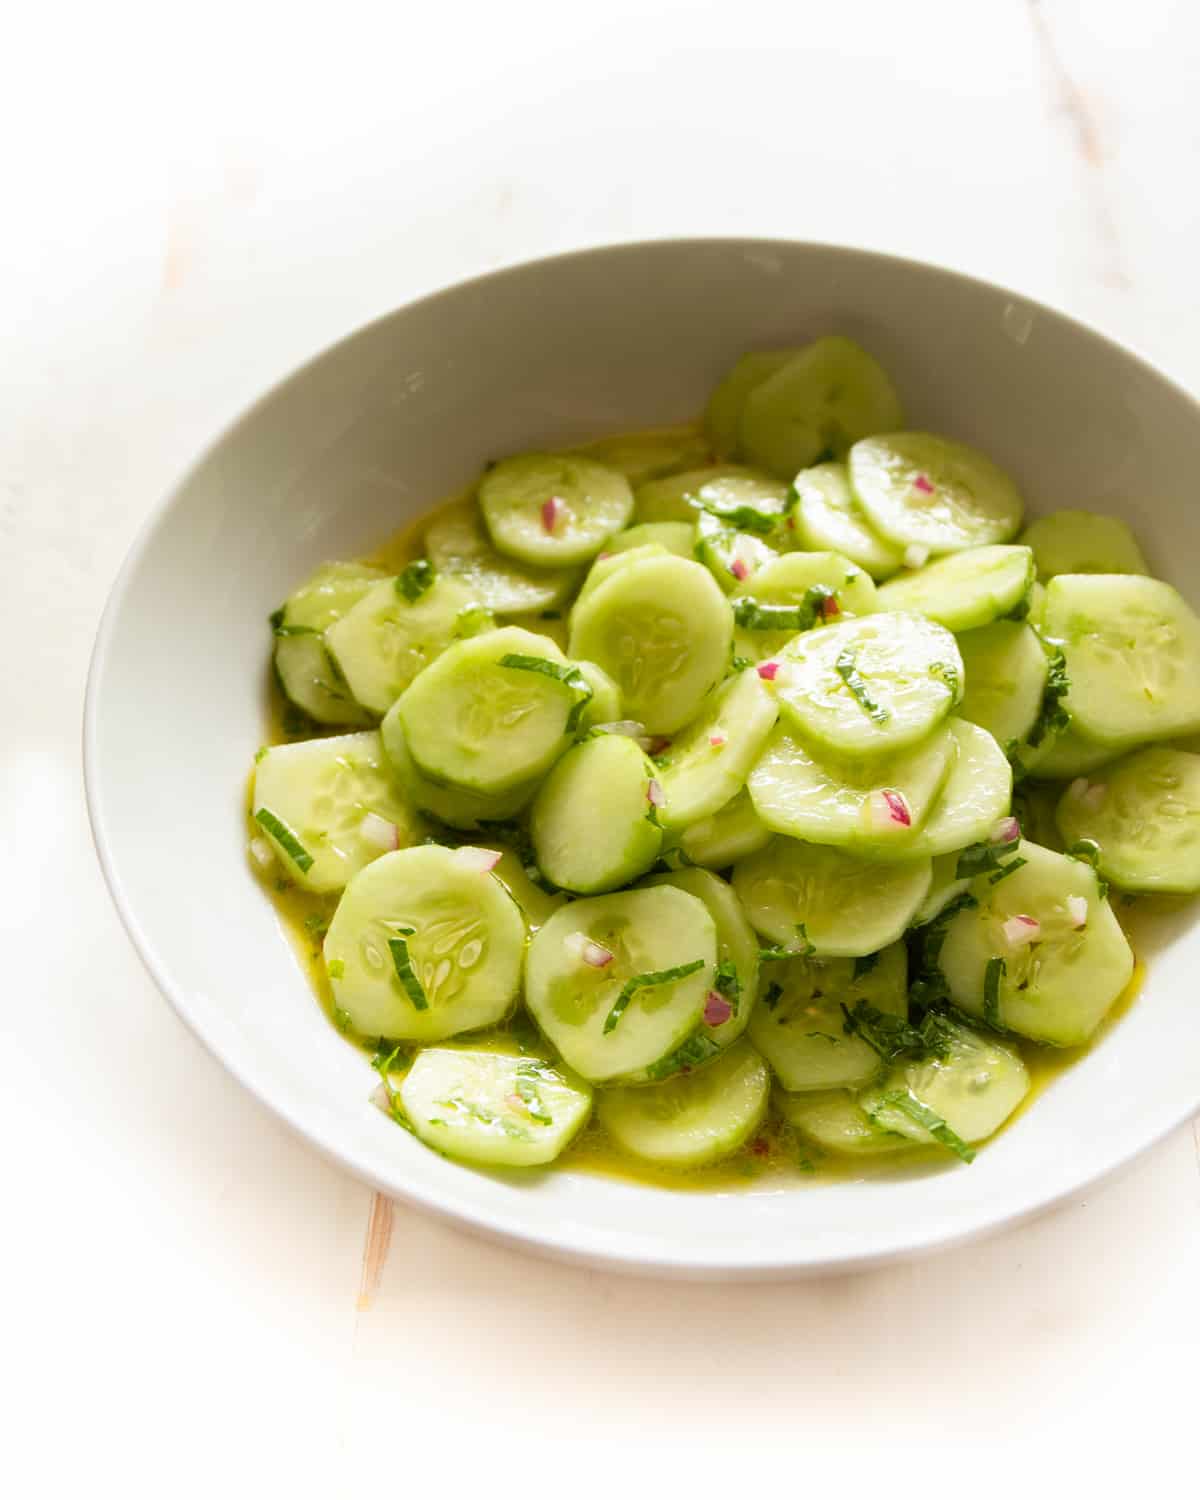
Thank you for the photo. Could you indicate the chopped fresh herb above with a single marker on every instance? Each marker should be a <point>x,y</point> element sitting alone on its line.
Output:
<point>335,968</point>
<point>275,618</point>
<point>384,1061</point>
<point>571,677</point>
<point>286,630</point>
<point>893,1036</point>
<point>908,1104</point>
<point>847,669</point>
<point>527,1091</point>
<point>285,837</point>
<point>807,949</point>
<point>931,937</point>
<point>727,983</point>
<point>283,885</point>
<point>739,663</point>
<point>690,1054</point>
<point>341,1019</point>
<point>646,982</point>
<point>413,988</point>
<point>741,517</point>
<point>773,995</point>
<point>776,953</point>
<point>485,1116</point>
<point>317,923</point>
<point>752,615</point>
<point>1052,717</point>
<point>979,859</point>
<point>949,674</point>
<point>550,614</point>
<point>1005,871</point>
<point>864,964</point>
<point>260,753</point>
<point>992,976</point>
<point>472,619</point>
<point>415,579</point>
<point>1012,752</point>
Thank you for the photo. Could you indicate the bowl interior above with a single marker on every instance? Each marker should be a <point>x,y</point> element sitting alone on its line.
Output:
<point>379,427</point>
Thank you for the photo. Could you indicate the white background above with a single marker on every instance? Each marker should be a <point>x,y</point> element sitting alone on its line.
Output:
<point>193,199</point>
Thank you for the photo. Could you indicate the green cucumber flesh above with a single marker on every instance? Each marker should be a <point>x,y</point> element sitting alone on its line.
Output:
<point>834,1121</point>
<point>307,673</point>
<point>977,793</point>
<point>1006,669</point>
<point>828,518</point>
<point>723,416</point>
<point>458,545</point>
<point>1079,541</point>
<point>966,590</point>
<point>643,456</point>
<point>944,886</point>
<point>454,806</point>
<point>553,510</point>
<point>806,589</point>
<point>707,763</point>
<point>1063,756</point>
<point>678,537</point>
<point>731,833</point>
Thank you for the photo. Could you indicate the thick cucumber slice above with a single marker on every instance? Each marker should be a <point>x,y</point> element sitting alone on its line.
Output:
<point>458,545</point>
<point>839,905</point>
<point>874,805</point>
<point>1057,987</point>
<point>492,1107</point>
<point>799,1027</point>
<point>974,1088</point>
<point>695,1118</point>
<point>1132,646</point>
<point>642,456</point>
<point>678,537</point>
<point>662,629</point>
<point>735,494</point>
<point>424,945</point>
<point>967,589</point>
<point>552,510</point>
<point>453,806</point>
<point>492,713</point>
<point>944,887</point>
<point>829,519</point>
<point>1037,605</point>
<point>707,764</point>
<point>933,493</point>
<point>835,1122</point>
<point>813,588</point>
<point>732,833</point>
<point>593,825</point>
<point>395,630</point>
<point>870,686</point>
<point>723,418</point>
<point>731,556</point>
<point>977,793</point>
<point>1078,541</point>
<point>1145,815</point>
<point>610,563</point>
<point>339,804</point>
<point>650,933</point>
<point>1062,757</point>
<point>1005,668</point>
<point>307,673</point>
<point>604,706</point>
<point>822,401</point>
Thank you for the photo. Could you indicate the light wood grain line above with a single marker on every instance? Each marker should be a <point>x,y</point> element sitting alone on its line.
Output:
<point>375,1248</point>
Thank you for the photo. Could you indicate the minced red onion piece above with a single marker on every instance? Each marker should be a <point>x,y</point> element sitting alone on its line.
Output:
<point>588,951</point>
<point>717,1010</point>
<point>898,808</point>
<point>922,483</point>
<point>767,670</point>
<point>655,795</point>
<point>739,569</point>
<point>379,831</point>
<point>1020,930</point>
<point>475,858</point>
<point>657,744</point>
<point>1006,831</point>
<point>916,556</point>
<point>829,608</point>
<point>716,740</point>
<point>1077,910</point>
<point>552,510</point>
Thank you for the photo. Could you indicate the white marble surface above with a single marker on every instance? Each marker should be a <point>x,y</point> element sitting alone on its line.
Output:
<point>195,198</point>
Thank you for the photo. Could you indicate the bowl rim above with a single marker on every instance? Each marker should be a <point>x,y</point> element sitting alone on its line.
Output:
<point>568,1245</point>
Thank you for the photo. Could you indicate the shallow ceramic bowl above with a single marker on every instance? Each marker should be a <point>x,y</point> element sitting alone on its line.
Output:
<point>403,412</point>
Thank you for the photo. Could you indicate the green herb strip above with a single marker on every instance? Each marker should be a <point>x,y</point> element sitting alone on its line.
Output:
<point>865,964</point>
<point>646,982</point>
<point>992,976</point>
<point>383,1062</point>
<point>413,988</point>
<point>690,1054</point>
<point>978,859</point>
<point>774,994</point>
<point>571,678</point>
<point>285,837</point>
<point>741,517</point>
<point>908,1104</point>
<point>847,669</point>
<point>1052,717</point>
<point>752,615</point>
<point>727,983</point>
<point>414,580</point>
<point>1005,871</point>
<point>894,1036</point>
<point>948,673</point>
<point>527,1091</point>
<point>286,630</point>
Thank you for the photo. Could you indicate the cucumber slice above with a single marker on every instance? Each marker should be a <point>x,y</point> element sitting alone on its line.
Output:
<point>695,1118</point>
<point>424,945</point>
<point>339,803</point>
<point>814,587</point>
<point>307,673</point>
<point>871,686</point>
<point>828,518</point>
<point>707,764</point>
<point>723,417</point>
<point>834,1121</point>
<point>731,492</point>
<point>1057,988</point>
<point>1145,815</point>
<point>1033,805</point>
<point>1037,605</point>
<point>822,401</point>
<point>977,793</point>
<point>389,635</point>
<point>642,456</point>
<point>493,1108</point>
<point>967,589</point>
<point>678,537</point>
<point>873,805</point>
<point>944,887</point>
<point>731,556</point>
<point>450,805</point>
<point>648,932</point>
<point>1132,646</point>
<point>931,492</point>
<point>609,563</point>
<point>730,834</point>
<point>662,629</point>
<point>458,545</point>
<point>604,706</point>
<point>974,1088</point>
<point>1005,669</point>
<point>840,905</point>
<point>492,713</point>
<point>799,1027</point>
<point>1064,756</point>
<point>537,906</point>
<point>553,510</point>
<point>592,823</point>
<point>670,500</point>
<point>1079,541</point>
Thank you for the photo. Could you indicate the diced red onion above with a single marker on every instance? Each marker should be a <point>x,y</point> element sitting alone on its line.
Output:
<point>552,510</point>
<point>586,950</point>
<point>916,556</point>
<point>657,744</point>
<point>921,483</point>
<point>655,795</point>
<point>898,808</point>
<point>830,607</point>
<point>1077,910</point>
<point>717,1010</point>
<point>739,569</point>
<point>379,832</point>
<point>1006,831</point>
<point>475,858</point>
<point>767,670</point>
<point>1020,930</point>
<point>600,556</point>
<point>716,741</point>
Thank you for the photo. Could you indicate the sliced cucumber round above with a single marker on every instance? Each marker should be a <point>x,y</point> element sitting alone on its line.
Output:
<point>553,510</point>
<point>827,396</point>
<point>800,1026</point>
<point>593,825</point>
<point>1057,986</point>
<point>677,498</point>
<point>805,895</point>
<point>424,945</point>
<point>492,713</point>
<point>933,493</point>
<point>330,806</point>
<point>944,887</point>
<point>604,706</point>
<point>1144,813</point>
<point>694,1118</point>
<point>829,519</point>
<point>870,686</point>
<point>394,631</point>
<point>1064,756</point>
<point>1131,646</point>
<point>834,1121</point>
<point>874,805</point>
<point>662,629</point>
<point>458,545</point>
<point>723,417</point>
<point>730,834</point>
<point>707,764</point>
<point>801,589</point>
<point>643,456</point>
<point>1005,668</point>
<point>494,1108</point>
<point>612,1018</point>
<point>610,563</point>
<point>537,904</point>
<point>731,556</point>
<point>307,673</point>
<point>1079,541</point>
<point>453,806</point>
<point>678,537</point>
<point>967,589</point>
<point>977,793</point>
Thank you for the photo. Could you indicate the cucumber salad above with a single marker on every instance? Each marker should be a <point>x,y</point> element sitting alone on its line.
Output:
<point>754,787</point>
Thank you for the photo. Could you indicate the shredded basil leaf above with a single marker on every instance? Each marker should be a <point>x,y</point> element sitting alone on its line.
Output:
<point>992,976</point>
<point>690,1054</point>
<point>275,618</point>
<point>978,859</point>
<point>413,988</point>
<point>773,995</point>
<point>847,669</point>
<point>570,676</point>
<point>286,630</point>
<point>864,964</point>
<point>894,1036</point>
<point>727,983</point>
<point>949,674</point>
<point>1005,871</point>
<point>752,615</point>
<point>285,837</point>
<point>741,517</point>
<point>646,982</point>
<point>413,581</point>
<point>911,1106</point>
<point>1052,717</point>
<point>526,1090</point>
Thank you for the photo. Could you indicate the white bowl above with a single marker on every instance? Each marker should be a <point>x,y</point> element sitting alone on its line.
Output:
<point>403,412</point>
